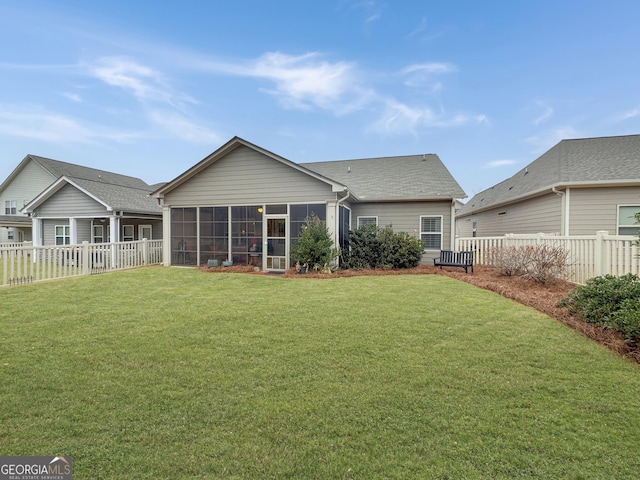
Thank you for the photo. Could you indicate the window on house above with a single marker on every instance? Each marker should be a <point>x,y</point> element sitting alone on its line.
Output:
<point>627,223</point>
<point>63,235</point>
<point>145,231</point>
<point>98,234</point>
<point>128,233</point>
<point>10,207</point>
<point>362,221</point>
<point>431,232</point>
<point>10,235</point>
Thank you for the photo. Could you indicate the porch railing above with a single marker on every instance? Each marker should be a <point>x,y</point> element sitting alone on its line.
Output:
<point>26,263</point>
<point>589,255</point>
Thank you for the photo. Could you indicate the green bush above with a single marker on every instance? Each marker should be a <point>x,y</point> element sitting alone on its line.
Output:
<point>627,320</point>
<point>609,301</point>
<point>373,247</point>
<point>315,247</point>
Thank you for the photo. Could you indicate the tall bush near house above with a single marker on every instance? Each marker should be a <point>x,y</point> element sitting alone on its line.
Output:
<point>315,246</point>
<point>373,247</point>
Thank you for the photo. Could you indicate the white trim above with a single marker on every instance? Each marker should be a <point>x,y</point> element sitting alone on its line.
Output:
<point>365,216</point>
<point>441,233</point>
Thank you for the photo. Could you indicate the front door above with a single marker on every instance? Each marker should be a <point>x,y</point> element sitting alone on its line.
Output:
<point>277,256</point>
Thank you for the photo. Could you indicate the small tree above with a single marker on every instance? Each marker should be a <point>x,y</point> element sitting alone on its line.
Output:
<point>315,246</point>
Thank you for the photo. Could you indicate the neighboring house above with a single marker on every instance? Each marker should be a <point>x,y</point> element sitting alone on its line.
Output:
<point>26,181</point>
<point>578,187</point>
<point>246,204</point>
<point>67,204</point>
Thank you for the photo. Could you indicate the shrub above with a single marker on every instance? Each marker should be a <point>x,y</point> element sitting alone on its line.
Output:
<point>374,247</point>
<point>510,261</point>
<point>606,300</point>
<point>315,247</point>
<point>627,320</point>
<point>541,263</point>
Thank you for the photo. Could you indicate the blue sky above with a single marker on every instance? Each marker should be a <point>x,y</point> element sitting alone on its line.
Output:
<point>149,88</point>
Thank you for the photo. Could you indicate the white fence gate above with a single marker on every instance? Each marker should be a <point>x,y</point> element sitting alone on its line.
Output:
<point>24,263</point>
<point>589,255</point>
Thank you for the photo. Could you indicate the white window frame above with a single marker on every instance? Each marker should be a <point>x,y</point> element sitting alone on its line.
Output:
<point>141,229</point>
<point>95,236</point>
<point>634,225</point>
<point>359,220</point>
<point>10,207</point>
<point>425,232</point>
<point>130,237</point>
<point>65,236</point>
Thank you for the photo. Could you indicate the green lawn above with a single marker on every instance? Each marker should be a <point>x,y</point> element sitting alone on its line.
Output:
<point>175,373</point>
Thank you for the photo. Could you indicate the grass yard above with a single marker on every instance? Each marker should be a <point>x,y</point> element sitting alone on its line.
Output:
<point>176,373</point>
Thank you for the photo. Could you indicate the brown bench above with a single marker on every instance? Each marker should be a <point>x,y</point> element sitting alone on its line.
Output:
<point>449,258</point>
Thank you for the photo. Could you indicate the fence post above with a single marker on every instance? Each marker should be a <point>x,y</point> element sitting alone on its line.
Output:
<point>86,267</point>
<point>600,253</point>
<point>145,251</point>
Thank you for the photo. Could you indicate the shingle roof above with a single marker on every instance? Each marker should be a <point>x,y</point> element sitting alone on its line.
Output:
<point>120,197</point>
<point>63,169</point>
<point>570,162</point>
<point>411,177</point>
<point>120,192</point>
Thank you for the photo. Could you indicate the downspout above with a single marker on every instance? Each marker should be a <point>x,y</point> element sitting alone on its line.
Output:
<point>337,239</point>
<point>564,211</point>
<point>452,245</point>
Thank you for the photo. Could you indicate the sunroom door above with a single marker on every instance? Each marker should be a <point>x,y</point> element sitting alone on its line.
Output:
<point>277,256</point>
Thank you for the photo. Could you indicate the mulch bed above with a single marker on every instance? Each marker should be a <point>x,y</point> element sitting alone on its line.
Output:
<point>543,297</point>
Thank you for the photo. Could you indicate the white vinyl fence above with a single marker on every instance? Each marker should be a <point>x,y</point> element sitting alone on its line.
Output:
<point>24,263</point>
<point>589,255</point>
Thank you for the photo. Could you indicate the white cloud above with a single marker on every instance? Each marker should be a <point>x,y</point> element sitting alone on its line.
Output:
<point>181,127</point>
<point>400,118</point>
<point>141,81</point>
<point>544,142</point>
<point>424,75</point>
<point>306,80</point>
<point>546,114</point>
<point>74,97</point>
<point>499,163</point>
<point>38,124</point>
<point>630,114</point>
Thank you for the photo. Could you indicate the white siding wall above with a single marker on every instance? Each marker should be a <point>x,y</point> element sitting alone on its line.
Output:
<point>594,209</point>
<point>246,177</point>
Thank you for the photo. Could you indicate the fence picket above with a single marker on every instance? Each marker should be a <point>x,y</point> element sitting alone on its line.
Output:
<point>25,263</point>
<point>590,255</point>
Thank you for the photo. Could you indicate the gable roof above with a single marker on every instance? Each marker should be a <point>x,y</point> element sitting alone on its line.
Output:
<point>227,148</point>
<point>413,177</point>
<point>115,191</point>
<point>574,162</point>
<point>410,177</point>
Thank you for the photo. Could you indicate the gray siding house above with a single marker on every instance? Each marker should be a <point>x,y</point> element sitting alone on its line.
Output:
<point>87,204</point>
<point>22,185</point>
<point>245,204</point>
<point>578,187</point>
